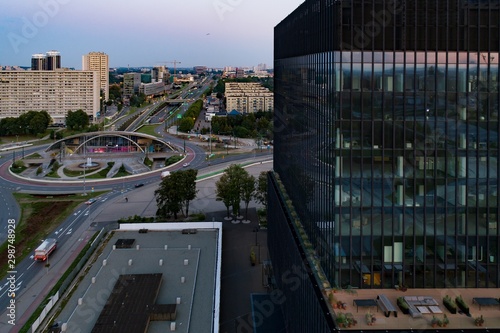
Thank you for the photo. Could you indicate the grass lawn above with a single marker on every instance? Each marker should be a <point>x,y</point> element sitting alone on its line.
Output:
<point>40,215</point>
<point>148,129</point>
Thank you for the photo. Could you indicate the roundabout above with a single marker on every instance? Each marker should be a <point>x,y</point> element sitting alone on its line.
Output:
<point>98,156</point>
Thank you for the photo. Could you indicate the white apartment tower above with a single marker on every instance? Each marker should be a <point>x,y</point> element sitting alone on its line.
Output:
<point>98,61</point>
<point>55,91</point>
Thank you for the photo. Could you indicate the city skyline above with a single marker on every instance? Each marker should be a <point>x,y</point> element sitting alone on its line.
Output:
<point>215,33</point>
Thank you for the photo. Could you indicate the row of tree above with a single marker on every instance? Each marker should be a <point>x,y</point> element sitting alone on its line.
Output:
<point>37,122</point>
<point>177,190</point>
<point>249,125</point>
<point>237,185</point>
<point>29,123</point>
<point>192,113</point>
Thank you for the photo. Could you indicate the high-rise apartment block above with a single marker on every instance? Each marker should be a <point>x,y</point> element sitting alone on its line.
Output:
<point>54,91</point>
<point>53,60</point>
<point>386,149</point>
<point>49,61</point>
<point>98,61</point>
<point>248,97</point>
<point>38,62</point>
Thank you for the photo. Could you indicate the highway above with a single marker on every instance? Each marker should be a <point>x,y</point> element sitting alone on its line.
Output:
<point>78,228</point>
<point>74,232</point>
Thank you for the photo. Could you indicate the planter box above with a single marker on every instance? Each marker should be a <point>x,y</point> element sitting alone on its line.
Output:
<point>464,309</point>
<point>450,308</point>
<point>405,310</point>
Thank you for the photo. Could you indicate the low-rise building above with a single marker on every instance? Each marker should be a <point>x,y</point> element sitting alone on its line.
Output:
<point>153,88</point>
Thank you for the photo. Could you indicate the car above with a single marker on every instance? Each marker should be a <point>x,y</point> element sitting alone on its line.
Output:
<point>139,185</point>
<point>90,201</point>
<point>185,165</point>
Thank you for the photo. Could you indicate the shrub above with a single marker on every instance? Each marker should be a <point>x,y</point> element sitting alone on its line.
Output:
<point>403,305</point>
<point>462,305</point>
<point>450,304</point>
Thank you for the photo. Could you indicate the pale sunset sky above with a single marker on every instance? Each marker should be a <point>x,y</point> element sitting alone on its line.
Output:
<point>213,33</point>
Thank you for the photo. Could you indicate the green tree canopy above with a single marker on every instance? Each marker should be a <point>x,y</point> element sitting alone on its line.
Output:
<point>229,188</point>
<point>247,191</point>
<point>222,192</point>
<point>261,190</point>
<point>77,120</point>
<point>175,192</point>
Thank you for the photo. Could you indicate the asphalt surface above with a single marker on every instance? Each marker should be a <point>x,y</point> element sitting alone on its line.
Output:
<point>239,277</point>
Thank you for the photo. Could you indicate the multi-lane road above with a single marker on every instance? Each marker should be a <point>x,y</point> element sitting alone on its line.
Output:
<point>76,229</point>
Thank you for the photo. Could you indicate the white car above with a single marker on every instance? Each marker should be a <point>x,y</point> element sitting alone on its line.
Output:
<point>90,201</point>
<point>185,165</point>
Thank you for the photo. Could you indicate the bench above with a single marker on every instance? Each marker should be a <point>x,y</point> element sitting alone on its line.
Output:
<point>387,307</point>
<point>413,311</point>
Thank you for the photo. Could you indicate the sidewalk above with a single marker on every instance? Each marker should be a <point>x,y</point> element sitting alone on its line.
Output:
<point>239,279</point>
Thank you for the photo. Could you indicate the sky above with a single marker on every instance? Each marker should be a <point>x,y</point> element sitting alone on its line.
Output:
<point>212,33</point>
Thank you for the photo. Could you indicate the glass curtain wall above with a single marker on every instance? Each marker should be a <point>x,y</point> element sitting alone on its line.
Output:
<point>387,142</point>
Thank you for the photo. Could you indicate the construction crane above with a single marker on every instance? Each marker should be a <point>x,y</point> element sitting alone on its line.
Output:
<point>175,62</point>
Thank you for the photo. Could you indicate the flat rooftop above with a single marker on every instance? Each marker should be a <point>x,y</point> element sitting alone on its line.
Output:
<point>170,267</point>
<point>459,322</point>
<point>132,305</point>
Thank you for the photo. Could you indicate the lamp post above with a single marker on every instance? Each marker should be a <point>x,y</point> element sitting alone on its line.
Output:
<point>84,164</point>
<point>210,139</point>
<point>84,168</point>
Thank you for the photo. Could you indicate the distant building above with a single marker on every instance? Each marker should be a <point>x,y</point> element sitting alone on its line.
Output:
<point>131,83</point>
<point>160,74</point>
<point>38,62</point>
<point>46,62</point>
<point>55,91</point>
<point>248,97</point>
<point>200,69</point>
<point>153,88</point>
<point>53,60</point>
<point>98,61</point>
<point>240,73</point>
<point>260,67</point>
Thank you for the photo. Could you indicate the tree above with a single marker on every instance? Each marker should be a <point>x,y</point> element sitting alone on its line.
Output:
<point>247,191</point>
<point>186,124</point>
<point>222,191</point>
<point>38,124</point>
<point>10,126</point>
<point>175,192</point>
<point>261,191</point>
<point>229,187</point>
<point>188,187</point>
<point>236,174</point>
<point>77,120</point>
<point>167,197</point>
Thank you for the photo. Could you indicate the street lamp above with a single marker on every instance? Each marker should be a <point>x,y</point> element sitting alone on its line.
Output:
<point>84,168</point>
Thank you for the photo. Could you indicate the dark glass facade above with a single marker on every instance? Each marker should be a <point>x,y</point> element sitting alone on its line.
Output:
<point>386,139</point>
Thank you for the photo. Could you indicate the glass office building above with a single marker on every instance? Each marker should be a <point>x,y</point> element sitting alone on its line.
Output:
<point>386,142</point>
